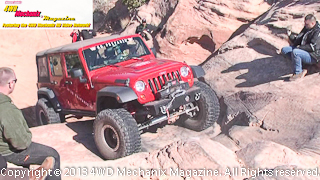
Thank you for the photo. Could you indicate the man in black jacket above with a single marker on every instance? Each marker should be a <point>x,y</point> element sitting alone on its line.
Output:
<point>88,34</point>
<point>142,29</point>
<point>305,48</point>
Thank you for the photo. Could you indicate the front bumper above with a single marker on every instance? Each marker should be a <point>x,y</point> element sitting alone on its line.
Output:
<point>159,107</point>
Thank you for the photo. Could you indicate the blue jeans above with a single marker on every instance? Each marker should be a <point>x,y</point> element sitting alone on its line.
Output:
<point>298,56</point>
<point>287,51</point>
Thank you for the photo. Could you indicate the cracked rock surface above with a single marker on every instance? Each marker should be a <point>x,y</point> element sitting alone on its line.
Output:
<point>193,29</point>
<point>266,122</point>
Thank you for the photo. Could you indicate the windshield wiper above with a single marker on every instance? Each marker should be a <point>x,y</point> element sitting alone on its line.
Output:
<point>139,58</point>
<point>113,65</point>
<point>134,57</point>
<point>98,66</point>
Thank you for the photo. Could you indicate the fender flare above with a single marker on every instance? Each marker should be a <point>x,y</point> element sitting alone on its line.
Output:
<point>197,71</point>
<point>120,93</point>
<point>52,98</point>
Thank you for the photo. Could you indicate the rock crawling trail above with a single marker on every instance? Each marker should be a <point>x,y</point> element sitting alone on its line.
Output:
<point>265,121</point>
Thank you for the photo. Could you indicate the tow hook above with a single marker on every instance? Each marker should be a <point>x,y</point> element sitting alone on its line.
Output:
<point>173,119</point>
<point>163,118</point>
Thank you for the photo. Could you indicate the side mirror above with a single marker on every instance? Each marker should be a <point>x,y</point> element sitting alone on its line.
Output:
<point>77,73</point>
<point>154,51</point>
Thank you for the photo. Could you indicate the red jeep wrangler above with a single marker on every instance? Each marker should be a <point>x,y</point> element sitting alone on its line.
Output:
<point>118,80</point>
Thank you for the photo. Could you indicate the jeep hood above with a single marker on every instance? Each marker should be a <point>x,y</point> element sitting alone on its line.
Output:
<point>134,69</point>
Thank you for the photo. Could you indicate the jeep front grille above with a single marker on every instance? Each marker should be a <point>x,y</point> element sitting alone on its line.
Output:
<point>157,83</point>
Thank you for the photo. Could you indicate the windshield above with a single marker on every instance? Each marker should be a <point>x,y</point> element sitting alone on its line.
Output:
<point>114,52</point>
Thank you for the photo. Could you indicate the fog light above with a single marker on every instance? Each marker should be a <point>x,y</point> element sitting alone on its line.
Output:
<point>142,96</point>
<point>187,98</point>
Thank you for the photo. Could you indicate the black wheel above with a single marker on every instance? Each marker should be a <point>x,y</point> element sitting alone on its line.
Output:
<point>209,109</point>
<point>45,113</point>
<point>116,133</point>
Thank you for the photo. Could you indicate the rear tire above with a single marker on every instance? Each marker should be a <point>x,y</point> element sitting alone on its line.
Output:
<point>209,110</point>
<point>116,133</point>
<point>45,114</point>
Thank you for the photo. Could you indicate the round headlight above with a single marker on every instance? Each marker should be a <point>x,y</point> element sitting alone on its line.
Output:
<point>184,71</point>
<point>140,86</point>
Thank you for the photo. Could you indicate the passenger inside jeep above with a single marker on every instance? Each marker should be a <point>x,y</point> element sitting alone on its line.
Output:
<point>72,62</point>
<point>114,52</point>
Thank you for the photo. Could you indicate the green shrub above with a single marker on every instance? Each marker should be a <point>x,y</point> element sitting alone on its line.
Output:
<point>133,4</point>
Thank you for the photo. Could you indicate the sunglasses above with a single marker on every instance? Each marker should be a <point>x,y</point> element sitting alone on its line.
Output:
<point>15,81</point>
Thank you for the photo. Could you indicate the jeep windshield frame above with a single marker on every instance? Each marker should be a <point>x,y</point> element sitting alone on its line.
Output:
<point>113,52</point>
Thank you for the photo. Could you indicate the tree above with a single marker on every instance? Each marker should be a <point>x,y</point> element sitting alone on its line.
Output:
<point>133,4</point>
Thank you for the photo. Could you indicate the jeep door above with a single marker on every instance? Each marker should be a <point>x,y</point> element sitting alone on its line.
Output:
<point>57,78</point>
<point>80,94</point>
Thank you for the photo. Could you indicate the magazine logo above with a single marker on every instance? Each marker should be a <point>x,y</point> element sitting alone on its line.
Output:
<point>22,13</point>
<point>10,8</point>
<point>46,14</point>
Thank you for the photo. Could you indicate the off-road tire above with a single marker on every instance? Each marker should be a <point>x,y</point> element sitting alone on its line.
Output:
<point>122,126</point>
<point>45,114</point>
<point>209,110</point>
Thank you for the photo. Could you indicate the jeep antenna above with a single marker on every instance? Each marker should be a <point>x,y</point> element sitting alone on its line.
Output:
<point>48,38</point>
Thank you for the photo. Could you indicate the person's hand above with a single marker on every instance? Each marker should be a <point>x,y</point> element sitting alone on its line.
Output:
<point>289,30</point>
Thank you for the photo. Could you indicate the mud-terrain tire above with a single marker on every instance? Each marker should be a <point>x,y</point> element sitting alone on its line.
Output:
<point>209,110</point>
<point>45,114</point>
<point>116,133</point>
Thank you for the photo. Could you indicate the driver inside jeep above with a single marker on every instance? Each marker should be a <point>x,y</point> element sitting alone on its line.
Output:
<point>115,52</point>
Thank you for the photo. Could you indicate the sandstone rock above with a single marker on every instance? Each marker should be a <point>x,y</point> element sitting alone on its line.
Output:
<point>250,62</point>
<point>201,154</point>
<point>75,137</point>
<point>110,16</point>
<point>227,142</point>
<point>209,24</point>
<point>244,135</point>
<point>242,105</point>
<point>179,148</point>
<point>246,71</point>
<point>267,155</point>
